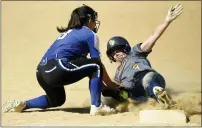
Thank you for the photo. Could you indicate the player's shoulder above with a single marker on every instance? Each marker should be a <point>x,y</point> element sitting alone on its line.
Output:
<point>136,48</point>
<point>137,45</point>
<point>87,32</point>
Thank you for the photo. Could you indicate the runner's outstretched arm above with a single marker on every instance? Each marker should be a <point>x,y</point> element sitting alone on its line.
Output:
<point>173,13</point>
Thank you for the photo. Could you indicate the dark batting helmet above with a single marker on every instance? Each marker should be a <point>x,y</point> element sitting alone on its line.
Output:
<point>117,43</point>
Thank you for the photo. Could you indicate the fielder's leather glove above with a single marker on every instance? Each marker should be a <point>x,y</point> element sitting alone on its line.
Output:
<point>120,95</point>
<point>123,93</point>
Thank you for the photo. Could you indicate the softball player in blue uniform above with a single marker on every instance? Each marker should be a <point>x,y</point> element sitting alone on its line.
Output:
<point>66,62</point>
<point>135,72</point>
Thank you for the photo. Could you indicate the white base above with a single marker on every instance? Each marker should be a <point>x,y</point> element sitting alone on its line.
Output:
<point>162,117</point>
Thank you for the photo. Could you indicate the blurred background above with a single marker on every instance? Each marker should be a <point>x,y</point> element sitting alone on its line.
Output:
<point>29,28</point>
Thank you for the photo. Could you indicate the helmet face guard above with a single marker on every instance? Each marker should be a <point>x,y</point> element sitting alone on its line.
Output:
<point>97,25</point>
<point>114,50</point>
<point>97,22</point>
<point>90,15</point>
<point>116,44</point>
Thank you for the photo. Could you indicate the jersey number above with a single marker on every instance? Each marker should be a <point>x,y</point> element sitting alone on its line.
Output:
<point>63,35</point>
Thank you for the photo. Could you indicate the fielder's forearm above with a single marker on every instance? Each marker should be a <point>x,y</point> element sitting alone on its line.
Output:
<point>148,44</point>
<point>106,78</point>
<point>108,82</point>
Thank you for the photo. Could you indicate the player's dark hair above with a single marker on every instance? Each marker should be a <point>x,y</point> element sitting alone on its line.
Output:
<point>79,18</point>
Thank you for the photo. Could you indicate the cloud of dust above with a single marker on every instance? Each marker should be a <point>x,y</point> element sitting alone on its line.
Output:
<point>190,102</point>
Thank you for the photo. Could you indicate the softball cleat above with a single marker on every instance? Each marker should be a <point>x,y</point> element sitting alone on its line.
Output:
<point>162,97</point>
<point>101,110</point>
<point>14,106</point>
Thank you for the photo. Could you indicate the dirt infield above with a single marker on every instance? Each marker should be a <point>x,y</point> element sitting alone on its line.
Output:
<point>29,28</point>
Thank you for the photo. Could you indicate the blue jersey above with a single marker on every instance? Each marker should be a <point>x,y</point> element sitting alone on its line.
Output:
<point>74,43</point>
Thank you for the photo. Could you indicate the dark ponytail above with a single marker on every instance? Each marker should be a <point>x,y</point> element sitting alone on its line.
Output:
<point>79,18</point>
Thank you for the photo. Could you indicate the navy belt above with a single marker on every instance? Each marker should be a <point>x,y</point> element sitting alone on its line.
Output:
<point>56,56</point>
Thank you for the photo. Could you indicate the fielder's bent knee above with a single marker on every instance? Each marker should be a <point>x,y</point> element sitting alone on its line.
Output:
<point>57,102</point>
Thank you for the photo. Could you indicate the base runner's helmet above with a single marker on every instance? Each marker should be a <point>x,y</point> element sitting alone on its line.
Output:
<point>117,43</point>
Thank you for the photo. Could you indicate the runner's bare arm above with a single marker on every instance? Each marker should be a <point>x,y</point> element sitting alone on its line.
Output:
<point>173,13</point>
